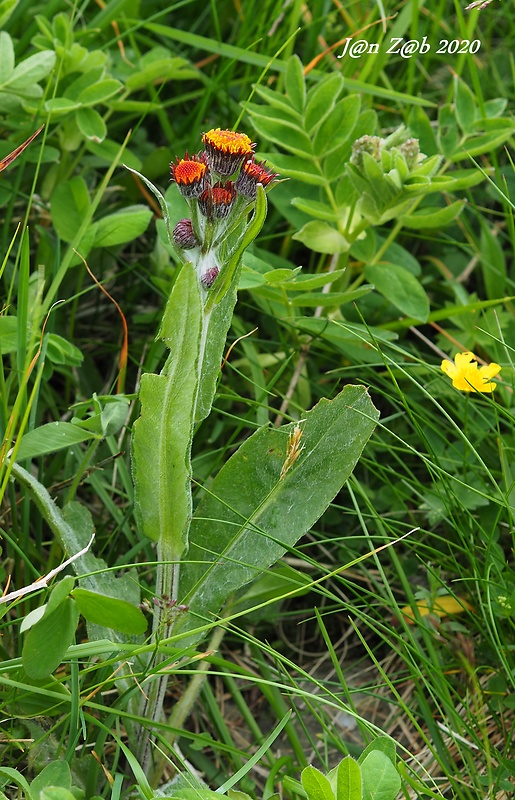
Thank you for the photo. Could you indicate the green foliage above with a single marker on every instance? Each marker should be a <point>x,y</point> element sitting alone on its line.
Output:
<point>268,495</point>
<point>373,776</point>
<point>373,264</point>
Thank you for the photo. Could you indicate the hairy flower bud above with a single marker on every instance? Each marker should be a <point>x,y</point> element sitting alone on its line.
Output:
<point>410,149</point>
<point>253,172</point>
<point>216,202</point>
<point>209,277</point>
<point>366,144</point>
<point>184,235</point>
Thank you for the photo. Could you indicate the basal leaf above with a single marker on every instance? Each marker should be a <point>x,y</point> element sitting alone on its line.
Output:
<point>260,502</point>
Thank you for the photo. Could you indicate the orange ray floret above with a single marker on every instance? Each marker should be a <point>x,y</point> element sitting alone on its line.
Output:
<point>190,174</point>
<point>225,150</point>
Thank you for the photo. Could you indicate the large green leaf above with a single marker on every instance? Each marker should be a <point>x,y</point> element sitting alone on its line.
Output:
<point>316,784</point>
<point>73,527</point>
<point>257,506</point>
<point>381,781</point>
<point>161,440</point>
<point>110,612</point>
<point>400,287</point>
<point>69,204</point>
<point>47,641</point>
<point>123,226</point>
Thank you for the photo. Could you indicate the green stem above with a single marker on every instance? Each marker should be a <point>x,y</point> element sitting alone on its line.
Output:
<point>183,707</point>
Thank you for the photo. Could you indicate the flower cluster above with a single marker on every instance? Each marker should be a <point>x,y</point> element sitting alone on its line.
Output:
<point>467,376</point>
<point>220,186</point>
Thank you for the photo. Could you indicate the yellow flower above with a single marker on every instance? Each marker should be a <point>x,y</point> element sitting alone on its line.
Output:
<point>467,376</point>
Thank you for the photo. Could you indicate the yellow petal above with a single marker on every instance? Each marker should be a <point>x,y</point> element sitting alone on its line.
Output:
<point>442,606</point>
<point>490,371</point>
<point>462,360</point>
<point>449,368</point>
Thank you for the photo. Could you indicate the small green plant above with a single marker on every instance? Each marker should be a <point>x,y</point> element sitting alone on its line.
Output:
<point>373,775</point>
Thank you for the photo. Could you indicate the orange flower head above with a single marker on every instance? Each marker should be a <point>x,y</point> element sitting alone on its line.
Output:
<point>225,150</point>
<point>467,376</point>
<point>217,202</point>
<point>252,173</point>
<point>190,174</point>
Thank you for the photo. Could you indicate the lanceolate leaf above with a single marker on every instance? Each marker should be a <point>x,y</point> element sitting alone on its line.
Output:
<point>161,440</point>
<point>252,513</point>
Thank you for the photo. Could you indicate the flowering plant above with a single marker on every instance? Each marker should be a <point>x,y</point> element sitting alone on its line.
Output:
<point>280,480</point>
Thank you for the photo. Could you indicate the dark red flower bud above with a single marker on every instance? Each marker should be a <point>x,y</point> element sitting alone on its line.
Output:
<point>209,277</point>
<point>252,173</point>
<point>184,235</point>
<point>217,202</point>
